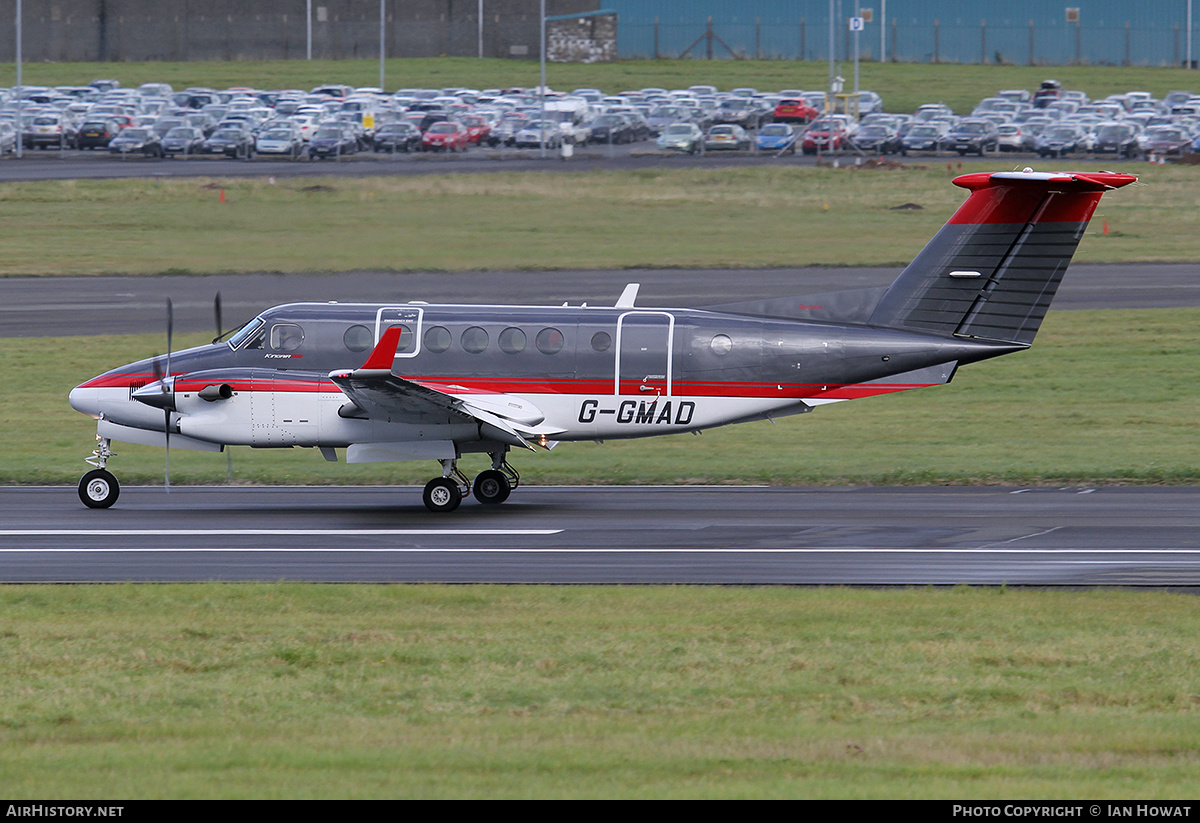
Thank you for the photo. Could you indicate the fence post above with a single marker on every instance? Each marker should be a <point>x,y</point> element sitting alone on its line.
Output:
<point>894,52</point>
<point>803,36</point>
<point>1128,59</point>
<point>656,53</point>
<point>1031,42</point>
<point>936,41</point>
<point>1078,45</point>
<point>708,36</point>
<point>1175,61</point>
<point>758,38</point>
<point>983,42</point>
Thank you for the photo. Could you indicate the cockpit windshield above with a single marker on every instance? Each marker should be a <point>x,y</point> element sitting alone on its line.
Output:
<point>246,332</point>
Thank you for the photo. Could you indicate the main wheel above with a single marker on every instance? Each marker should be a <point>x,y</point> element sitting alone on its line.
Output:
<point>442,495</point>
<point>99,489</point>
<point>492,487</point>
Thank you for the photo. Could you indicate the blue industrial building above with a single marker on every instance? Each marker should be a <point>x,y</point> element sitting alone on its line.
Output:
<point>1023,32</point>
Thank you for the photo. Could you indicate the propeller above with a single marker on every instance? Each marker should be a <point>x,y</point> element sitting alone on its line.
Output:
<point>220,334</point>
<point>217,317</point>
<point>167,406</point>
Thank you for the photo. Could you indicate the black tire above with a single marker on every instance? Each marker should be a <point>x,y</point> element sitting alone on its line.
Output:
<point>491,487</point>
<point>99,489</point>
<point>441,495</point>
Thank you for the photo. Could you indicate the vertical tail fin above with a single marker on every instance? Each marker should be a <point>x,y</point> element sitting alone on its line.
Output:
<point>993,269</point>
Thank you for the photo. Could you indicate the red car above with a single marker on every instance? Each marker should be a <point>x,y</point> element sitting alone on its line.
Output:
<point>445,135</point>
<point>825,135</point>
<point>794,110</point>
<point>478,128</point>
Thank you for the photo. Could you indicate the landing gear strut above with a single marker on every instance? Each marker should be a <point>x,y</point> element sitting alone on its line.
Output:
<point>492,486</point>
<point>99,489</point>
<point>443,494</point>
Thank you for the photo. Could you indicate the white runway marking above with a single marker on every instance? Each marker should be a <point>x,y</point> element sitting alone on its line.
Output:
<point>497,550</point>
<point>261,532</point>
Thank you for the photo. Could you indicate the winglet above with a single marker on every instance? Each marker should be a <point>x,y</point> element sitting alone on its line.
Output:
<point>627,298</point>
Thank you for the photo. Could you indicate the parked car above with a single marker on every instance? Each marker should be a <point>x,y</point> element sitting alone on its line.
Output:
<point>534,133</point>
<point>1047,94</point>
<point>280,140</point>
<point>183,140</point>
<point>478,128</point>
<point>1165,141</point>
<point>1012,137</point>
<point>142,140</point>
<point>777,137</point>
<point>96,133</point>
<point>922,137</point>
<point>794,110</point>
<point>878,138</point>
<point>445,135</point>
<point>826,134</point>
<point>682,137</point>
<point>1116,138</point>
<point>977,136</point>
<point>726,136</point>
<point>8,137</point>
<point>400,136</point>
<point>50,130</point>
<point>1059,139</point>
<point>331,141</point>
<point>611,128</point>
<point>231,142</point>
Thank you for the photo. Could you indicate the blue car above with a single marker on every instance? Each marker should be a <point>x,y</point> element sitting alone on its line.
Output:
<point>777,137</point>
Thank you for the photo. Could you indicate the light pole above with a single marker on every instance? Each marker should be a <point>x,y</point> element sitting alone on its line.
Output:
<point>20,92</point>
<point>382,6</point>
<point>542,87</point>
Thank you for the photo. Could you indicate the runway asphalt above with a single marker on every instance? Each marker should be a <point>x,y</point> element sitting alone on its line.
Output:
<point>594,535</point>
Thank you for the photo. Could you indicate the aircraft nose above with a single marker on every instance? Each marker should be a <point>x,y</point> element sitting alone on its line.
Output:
<point>86,400</point>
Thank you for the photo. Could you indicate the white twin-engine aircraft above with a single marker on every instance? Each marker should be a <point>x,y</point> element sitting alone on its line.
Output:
<point>415,381</point>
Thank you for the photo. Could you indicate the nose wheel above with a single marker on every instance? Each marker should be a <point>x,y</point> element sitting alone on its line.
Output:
<point>99,489</point>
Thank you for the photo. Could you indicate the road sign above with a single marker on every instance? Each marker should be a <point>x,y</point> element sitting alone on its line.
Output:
<point>856,23</point>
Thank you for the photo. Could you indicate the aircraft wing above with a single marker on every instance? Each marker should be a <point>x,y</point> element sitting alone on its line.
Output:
<point>379,394</point>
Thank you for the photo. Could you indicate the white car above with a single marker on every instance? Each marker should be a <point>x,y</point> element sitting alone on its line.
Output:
<point>531,136</point>
<point>280,140</point>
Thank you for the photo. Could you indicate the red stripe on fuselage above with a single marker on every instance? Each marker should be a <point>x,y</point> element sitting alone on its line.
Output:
<point>542,386</point>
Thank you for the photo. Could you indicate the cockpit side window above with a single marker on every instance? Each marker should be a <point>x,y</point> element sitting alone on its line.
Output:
<point>286,336</point>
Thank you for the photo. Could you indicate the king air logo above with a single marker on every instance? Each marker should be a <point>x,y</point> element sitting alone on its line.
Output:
<point>656,412</point>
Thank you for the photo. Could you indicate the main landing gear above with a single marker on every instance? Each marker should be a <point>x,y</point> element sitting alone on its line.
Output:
<point>492,486</point>
<point>99,489</point>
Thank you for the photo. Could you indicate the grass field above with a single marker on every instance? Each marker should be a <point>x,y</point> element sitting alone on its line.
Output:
<point>663,217</point>
<point>289,691</point>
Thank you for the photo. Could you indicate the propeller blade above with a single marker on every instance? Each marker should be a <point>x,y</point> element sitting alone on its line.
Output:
<point>217,314</point>
<point>166,408</point>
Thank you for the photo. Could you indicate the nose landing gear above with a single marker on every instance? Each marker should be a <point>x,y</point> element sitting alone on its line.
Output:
<point>99,489</point>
